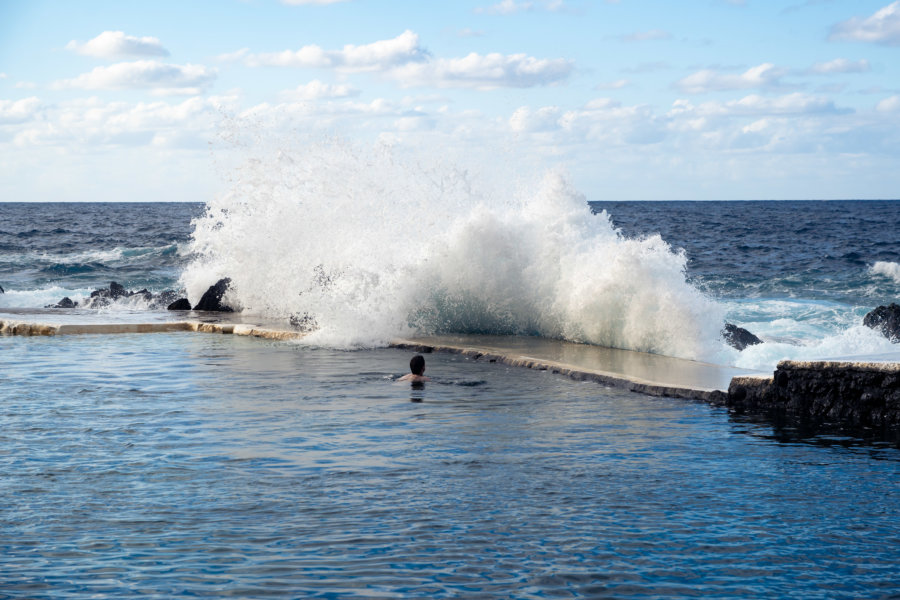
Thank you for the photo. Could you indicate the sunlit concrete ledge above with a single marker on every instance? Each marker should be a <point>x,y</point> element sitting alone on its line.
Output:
<point>13,327</point>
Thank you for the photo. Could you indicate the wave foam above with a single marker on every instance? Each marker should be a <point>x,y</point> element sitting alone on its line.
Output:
<point>372,247</point>
<point>888,269</point>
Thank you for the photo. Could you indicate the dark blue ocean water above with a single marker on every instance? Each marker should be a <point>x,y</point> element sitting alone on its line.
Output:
<point>77,246</point>
<point>810,250</point>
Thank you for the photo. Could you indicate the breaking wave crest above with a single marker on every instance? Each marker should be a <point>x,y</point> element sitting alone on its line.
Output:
<point>362,246</point>
<point>888,269</point>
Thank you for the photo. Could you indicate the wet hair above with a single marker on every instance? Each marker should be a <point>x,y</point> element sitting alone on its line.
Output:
<point>417,364</point>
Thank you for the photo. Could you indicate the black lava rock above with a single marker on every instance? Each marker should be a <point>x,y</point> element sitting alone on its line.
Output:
<point>1,290</point>
<point>180,304</point>
<point>212,298</point>
<point>738,337</point>
<point>103,296</point>
<point>64,303</point>
<point>887,320</point>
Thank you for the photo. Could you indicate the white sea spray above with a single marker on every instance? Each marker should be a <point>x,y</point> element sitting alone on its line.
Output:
<point>888,269</point>
<point>370,246</point>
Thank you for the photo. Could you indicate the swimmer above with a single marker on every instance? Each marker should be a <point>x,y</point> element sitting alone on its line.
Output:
<point>417,366</point>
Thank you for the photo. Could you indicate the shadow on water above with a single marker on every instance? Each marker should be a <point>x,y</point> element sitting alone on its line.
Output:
<point>417,388</point>
<point>788,429</point>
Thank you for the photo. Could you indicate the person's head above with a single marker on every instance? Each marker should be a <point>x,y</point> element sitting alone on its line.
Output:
<point>417,364</point>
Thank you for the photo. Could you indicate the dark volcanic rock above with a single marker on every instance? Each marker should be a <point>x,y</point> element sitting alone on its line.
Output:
<point>103,296</point>
<point>1,290</point>
<point>164,299</point>
<point>844,393</point>
<point>64,303</point>
<point>738,337</point>
<point>212,298</point>
<point>180,304</point>
<point>887,320</point>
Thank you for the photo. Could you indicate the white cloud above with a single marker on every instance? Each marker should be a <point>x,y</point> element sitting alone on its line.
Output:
<point>115,44</point>
<point>25,85</point>
<point>756,105</point>
<point>542,119</point>
<point>404,60</point>
<point>159,78</point>
<point>891,104</point>
<point>765,75</point>
<point>317,90</point>
<point>89,124</point>
<point>882,27</point>
<point>840,65</point>
<point>378,55</point>
<point>3,75</point>
<point>484,71</point>
<point>18,111</point>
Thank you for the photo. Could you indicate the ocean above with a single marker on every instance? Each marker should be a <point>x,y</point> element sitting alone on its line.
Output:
<point>653,276</point>
<point>199,465</point>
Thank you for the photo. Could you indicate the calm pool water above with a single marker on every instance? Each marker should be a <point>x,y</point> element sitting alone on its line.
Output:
<point>174,465</point>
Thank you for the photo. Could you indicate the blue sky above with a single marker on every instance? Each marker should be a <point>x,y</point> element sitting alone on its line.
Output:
<point>635,99</point>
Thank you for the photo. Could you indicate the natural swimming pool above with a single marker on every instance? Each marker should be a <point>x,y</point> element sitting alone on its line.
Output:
<point>166,465</point>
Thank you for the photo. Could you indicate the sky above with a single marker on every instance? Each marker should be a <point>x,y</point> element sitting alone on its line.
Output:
<point>633,99</point>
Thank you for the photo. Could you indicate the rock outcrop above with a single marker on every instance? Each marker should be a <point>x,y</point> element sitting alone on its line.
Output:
<point>212,298</point>
<point>738,337</point>
<point>180,304</point>
<point>102,297</point>
<point>837,393</point>
<point>885,319</point>
<point>64,303</point>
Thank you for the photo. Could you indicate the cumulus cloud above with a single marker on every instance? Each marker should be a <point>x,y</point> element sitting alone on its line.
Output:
<point>756,105</point>
<point>91,122</point>
<point>115,44</point>
<point>542,119</point>
<point>3,75</point>
<point>18,111</point>
<point>378,55</point>
<point>159,78</point>
<point>883,27</point>
<point>479,71</point>
<point>404,60</point>
<point>840,65</point>
<point>317,90</point>
<point>891,104</point>
<point>765,75</point>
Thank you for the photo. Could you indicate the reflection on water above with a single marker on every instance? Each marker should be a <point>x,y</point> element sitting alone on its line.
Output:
<point>182,464</point>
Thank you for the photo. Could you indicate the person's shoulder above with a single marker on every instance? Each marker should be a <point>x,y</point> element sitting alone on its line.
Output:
<point>412,377</point>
